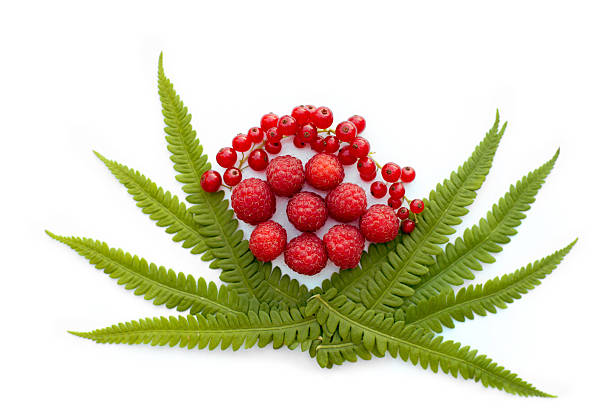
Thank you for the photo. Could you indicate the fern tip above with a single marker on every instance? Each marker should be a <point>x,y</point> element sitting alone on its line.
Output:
<point>78,334</point>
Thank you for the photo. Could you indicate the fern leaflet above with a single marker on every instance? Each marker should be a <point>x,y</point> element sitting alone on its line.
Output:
<point>479,241</point>
<point>281,328</point>
<point>163,286</point>
<point>481,299</point>
<point>380,332</point>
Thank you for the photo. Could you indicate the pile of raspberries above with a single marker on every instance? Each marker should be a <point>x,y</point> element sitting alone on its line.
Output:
<point>254,200</point>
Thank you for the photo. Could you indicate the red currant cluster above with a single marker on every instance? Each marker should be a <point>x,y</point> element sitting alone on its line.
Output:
<point>254,201</point>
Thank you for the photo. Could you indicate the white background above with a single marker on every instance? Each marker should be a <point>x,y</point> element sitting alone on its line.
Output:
<point>427,76</point>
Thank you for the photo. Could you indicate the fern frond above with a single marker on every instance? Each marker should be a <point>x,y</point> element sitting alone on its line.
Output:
<point>281,328</point>
<point>409,260</point>
<point>481,299</point>
<point>387,271</point>
<point>162,207</point>
<point>162,286</point>
<point>211,211</point>
<point>460,259</point>
<point>379,331</point>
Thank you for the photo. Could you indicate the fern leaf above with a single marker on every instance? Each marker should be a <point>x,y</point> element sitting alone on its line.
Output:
<point>281,328</point>
<point>241,271</point>
<point>162,286</point>
<point>379,331</point>
<point>387,288</point>
<point>481,240</point>
<point>481,299</point>
<point>161,206</point>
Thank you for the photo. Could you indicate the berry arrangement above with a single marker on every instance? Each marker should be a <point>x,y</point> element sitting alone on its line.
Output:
<point>392,296</point>
<point>309,126</point>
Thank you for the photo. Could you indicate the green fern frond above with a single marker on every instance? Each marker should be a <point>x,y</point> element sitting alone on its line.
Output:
<point>387,271</point>
<point>409,260</point>
<point>281,328</point>
<point>161,206</point>
<point>211,211</point>
<point>162,286</point>
<point>481,299</point>
<point>460,259</point>
<point>379,331</point>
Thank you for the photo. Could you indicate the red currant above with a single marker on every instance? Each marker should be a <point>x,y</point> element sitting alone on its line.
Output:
<point>232,176</point>
<point>268,121</point>
<point>258,160</point>
<point>307,133</point>
<point>391,172</point>
<point>417,206</point>
<point>311,109</point>
<point>408,226</point>
<point>299,143</point>
<point>378,189</point>
<point>287,125</point>
<point>322,117</point>
<point>273,146</point>
<point>345,156</point>
<point>331,144</point>
<point>397,190</point>
<point>273,134</point>
<point>408,174</point>
<point>403,213</point>
<point>346,131</point>
<point>366,165</point>
<point>226,157</point>
<point>255,135</point>
<point>318,144</point>
<point>210,181</point>
<point>241,143</point>
<point>360,147</point>
<point>301,114</point>
<point>359,122</point>
<point>394,203</point>
<point>368,176</point>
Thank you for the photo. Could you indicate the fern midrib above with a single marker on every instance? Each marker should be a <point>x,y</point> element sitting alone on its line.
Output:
<point>195,174</point>
<point>407,261</point>
<point>278,290</point>
<point>163,286</point>
<point>478,245</point>
<point>305,321</point>
<point>425,349</point>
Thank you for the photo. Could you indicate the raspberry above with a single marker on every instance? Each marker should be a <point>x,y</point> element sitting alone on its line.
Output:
<point>379,224</point>
<point>285,175</point>
<point>306,254</point>
<point>344,245</point>
<point>307,211</point>
<point>253,201</point>
<point>324,171</point>
<point>346,202</point>
<point>268,241</point>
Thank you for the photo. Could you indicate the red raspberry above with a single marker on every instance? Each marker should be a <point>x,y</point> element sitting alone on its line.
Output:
<point>344,245</point>
<point>379,224</point>
<point>253,201</point>
<point>306,254</point>
<point>324,171</point>
<point>346,202</point>
<point>268,241</point>
<point>307,211</point>
<point>285,174</point>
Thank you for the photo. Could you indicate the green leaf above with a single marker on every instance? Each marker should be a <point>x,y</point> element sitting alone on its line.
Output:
<point>241,271</point>
<point>161,206</point>
<point>481,299</point>
<point>481,240</point>
<point>379,332</point>
<point>388,285</point>
<point>281,328</point>
<point>162,286</point>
